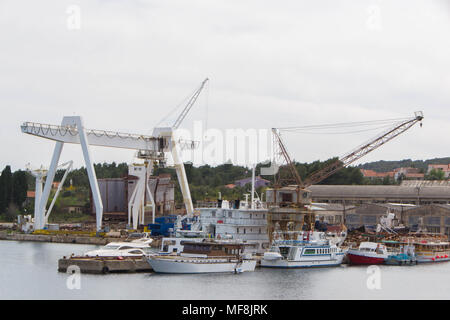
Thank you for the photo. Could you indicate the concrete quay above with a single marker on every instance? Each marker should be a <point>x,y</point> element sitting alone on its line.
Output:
<point>104,265</point>
<point>78,239</point>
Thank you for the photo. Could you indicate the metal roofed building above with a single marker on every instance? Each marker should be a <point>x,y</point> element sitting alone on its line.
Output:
<point>434,218</point>
<point>331,213</point>
<point>351,194</point>
<point>425,183</point>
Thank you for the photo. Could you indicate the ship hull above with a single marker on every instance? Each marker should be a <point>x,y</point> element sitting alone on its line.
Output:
<point>303,263</point>
<point>199,266</point>
<point>359,258</point>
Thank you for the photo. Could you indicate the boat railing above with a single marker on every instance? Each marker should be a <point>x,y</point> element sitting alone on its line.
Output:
<point>291,242</point>
<point>215,259</point>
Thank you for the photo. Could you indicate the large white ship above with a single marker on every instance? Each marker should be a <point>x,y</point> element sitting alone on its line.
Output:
<point>238,220</point>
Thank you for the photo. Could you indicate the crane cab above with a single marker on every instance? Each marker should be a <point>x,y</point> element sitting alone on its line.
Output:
<point>288,196</point>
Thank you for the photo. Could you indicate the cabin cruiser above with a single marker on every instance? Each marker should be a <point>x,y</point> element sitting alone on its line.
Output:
<point>138,241</point>
<point>119,249</point>
<point>209,256</point>
<point>304,249</point>
<point>368,253</point>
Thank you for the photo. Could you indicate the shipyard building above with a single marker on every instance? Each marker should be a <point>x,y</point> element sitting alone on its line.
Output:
<point>416,204</point>
<point>116,193</point>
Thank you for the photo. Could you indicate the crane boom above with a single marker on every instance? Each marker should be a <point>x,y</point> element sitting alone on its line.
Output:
<point>103,138</point>
<point>289,162</point>
<point>189,105</point>
<point>361,151</point>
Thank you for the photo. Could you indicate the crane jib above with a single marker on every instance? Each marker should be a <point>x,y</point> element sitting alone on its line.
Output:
<point>352,156</point>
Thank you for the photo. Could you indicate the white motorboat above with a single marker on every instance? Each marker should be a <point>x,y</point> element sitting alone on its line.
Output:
<point>205,257</point>
<point>120,249</point>
<point>309,249</point>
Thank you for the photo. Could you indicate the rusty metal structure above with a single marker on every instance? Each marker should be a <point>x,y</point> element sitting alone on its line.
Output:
<point>289,203</point>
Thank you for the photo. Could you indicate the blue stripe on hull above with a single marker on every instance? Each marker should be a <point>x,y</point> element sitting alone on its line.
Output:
<point>299,267</point>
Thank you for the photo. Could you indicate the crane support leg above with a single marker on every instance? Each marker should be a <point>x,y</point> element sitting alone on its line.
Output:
<point>37,199</point>
<point>39,219</point>
<point>182,178</point>
<point>68,169</point>
<point>78,123</point>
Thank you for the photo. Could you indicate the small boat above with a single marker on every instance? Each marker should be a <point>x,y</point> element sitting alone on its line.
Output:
<point>426,248</point>
<point>404,256</point>
<point>401,259</point>
<point>120,249</point>
<point>205,257</point>
<point>432,251</point>
<point>368,253</point>
<point>310,249</point>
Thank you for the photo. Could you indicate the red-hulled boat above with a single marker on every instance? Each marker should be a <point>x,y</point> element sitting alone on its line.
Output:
<point>368,253</point>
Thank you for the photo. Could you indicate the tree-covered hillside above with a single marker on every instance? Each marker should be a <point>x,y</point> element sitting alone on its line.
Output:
<point>205,181</point>
<point>385,166</point>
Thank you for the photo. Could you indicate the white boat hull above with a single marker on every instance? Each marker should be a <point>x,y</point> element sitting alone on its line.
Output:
<point>303,263</point>
<point>180,265</point>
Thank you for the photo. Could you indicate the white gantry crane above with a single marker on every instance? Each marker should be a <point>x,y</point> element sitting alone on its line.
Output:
<point>151,148</point>
<point>40,213</point>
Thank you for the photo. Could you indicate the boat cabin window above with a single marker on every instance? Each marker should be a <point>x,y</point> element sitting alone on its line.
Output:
<point>309,251</point>
<point>125,247</point>
<point>286,197</point>
<point>136,252</point>
<point>284,251</point>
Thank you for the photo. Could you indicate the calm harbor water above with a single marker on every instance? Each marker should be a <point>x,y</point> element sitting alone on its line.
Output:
<point>28,270</point>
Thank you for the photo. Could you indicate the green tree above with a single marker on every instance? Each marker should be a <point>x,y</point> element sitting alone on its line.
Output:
<point>12,212</point>
<point>5,188</point>
<point>19,188</point>
<point>436,175</point>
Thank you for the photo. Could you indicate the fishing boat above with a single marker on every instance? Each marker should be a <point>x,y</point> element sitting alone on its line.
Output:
<point>429,250</point>
<point>368,253</point>
<point>309,249</point>
<point>427,247</point>
<point>405,255</point>
<point>205,257</point>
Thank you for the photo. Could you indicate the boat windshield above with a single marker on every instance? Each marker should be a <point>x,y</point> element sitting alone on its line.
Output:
<point>111,247</point>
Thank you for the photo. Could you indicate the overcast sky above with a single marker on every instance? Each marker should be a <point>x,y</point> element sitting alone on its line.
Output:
<point>270,64</point>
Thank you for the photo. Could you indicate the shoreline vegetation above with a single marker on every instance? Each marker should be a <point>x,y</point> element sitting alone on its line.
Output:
<point>205,183</point>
